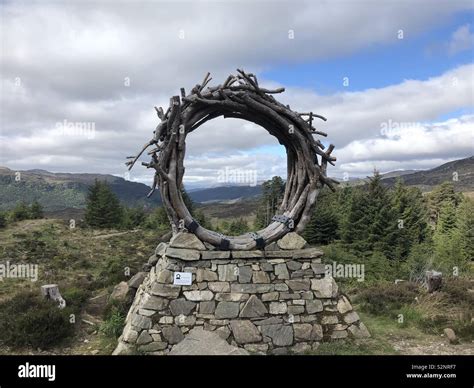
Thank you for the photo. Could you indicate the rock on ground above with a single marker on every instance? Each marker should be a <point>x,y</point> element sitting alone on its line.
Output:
<point>206,343</point>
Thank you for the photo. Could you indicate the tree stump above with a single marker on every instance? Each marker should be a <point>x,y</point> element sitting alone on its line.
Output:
<point>434,280</point>
<point>51,291</point>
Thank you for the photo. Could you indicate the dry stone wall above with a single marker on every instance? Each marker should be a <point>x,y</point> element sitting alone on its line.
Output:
<point>268,302</point>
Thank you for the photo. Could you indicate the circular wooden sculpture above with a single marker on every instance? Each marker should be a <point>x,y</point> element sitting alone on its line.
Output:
<point>240,97</point>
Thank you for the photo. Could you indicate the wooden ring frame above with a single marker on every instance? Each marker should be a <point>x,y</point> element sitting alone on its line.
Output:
<point>240,97</point>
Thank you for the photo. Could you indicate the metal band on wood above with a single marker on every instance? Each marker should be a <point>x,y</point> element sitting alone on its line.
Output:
<point>240,96</point>
<point>192,226</point>
<point>287,221</point>
<point>258,240</point>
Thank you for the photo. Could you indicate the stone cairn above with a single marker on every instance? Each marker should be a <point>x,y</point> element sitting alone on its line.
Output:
<point>274,301</point>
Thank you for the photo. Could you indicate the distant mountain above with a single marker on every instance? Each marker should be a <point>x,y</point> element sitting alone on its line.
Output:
<point>225,193</point>
<point>459,172</point>
<point>58,191</point>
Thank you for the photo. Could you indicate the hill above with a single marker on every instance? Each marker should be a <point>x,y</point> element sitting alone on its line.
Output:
<point>460,172</point>
<point>58,191</point>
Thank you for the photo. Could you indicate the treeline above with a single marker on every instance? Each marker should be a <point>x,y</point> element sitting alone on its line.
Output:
<point>22,211</point>
<point>104,210</point>
<point>395,232</point>
<point>400,231</point>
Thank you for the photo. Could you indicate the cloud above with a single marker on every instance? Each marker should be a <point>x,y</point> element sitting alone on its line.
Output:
<point>105,65</point>
<point>461,40</point>
<point>412,146</point>
<point>363,114</point>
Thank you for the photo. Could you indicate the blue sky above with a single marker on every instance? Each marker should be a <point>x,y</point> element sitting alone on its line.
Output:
<point>68,63</point>
<point>419,56</point>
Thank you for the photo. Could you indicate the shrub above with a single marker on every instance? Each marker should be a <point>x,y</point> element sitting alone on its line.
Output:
<point>75,298</point>
<point>457,291</point>
<point>3,220</point>
<point>36,210</point>
<point>114,323</point>
<point>20,212</point>
<point>384,298</point>
<point>29,320</point>
<point>111,273</point>
<point>411,316</point>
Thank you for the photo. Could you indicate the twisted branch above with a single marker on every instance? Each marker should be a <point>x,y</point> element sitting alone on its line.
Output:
<point>240,96</point>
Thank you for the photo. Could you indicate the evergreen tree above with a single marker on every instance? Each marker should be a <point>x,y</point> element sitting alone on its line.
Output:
<point>448,241</point>
<point>323,225</point>
<point>412,218</point>
<point>103,208</point>
<point>238,227</point>
<point>20,212</point>
<point>134,217</point>
<point>3,220</point>
<point>201,219</point>
<point>382,221</point>
<point>370,222</point>
<point>465,225</point>
<point>158,219</point>
<point>36,210</point>
<point>439,196</point>
<point>272,195</point>
<point>446,219</point>
<point>354,226</point>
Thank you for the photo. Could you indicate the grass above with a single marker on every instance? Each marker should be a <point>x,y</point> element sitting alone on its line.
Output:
<point>83,262</point>
<point>72,257</point>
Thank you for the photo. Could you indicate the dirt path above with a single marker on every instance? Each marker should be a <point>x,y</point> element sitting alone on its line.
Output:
<point>101,236</point>
<point>431,346</point>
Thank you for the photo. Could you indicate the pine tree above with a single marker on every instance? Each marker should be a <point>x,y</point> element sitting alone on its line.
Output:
<point>446,219</point>
<point>448,240</point>
<point>3,220</point>
<point>20,212</point>
<point>36,210</point>
<point>439,196</point>
<point>272,195</point>
<point>382,222</point>
<point>133,217</point>
<point>200,217</point>
<point>412,218</point>
<point>103,208</point>
<point>323,225</point>
<point>354,226</point>
<point>158,219</point>
<point>465,225</point>
<point>238,227</point>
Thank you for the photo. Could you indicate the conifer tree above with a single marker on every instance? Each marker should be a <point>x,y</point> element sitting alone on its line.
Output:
<point>36,210</point>
<point>103,208</point>
<point>382,222</point>
<point>323,225</point>
<point>412,218</point>
<point>272,195</point>
<point>465,224</point>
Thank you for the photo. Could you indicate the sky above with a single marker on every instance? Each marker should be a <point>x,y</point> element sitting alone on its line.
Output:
<point>80,80</point>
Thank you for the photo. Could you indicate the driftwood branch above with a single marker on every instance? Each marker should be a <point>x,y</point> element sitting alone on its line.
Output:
<point>240,96</point>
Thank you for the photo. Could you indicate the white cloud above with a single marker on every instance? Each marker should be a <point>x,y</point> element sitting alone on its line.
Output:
<point>461,40</point>
<point>68,61</point>
<point>419,146</point>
